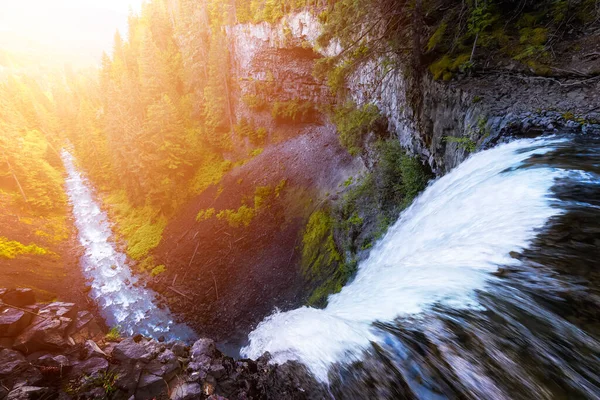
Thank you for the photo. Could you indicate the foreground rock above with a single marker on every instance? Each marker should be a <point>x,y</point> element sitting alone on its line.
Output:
<point>57,352</point>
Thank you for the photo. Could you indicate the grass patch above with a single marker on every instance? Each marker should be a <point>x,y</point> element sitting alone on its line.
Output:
<point>114,334</point>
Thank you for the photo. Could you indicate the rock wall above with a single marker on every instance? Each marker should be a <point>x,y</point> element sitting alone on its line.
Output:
<point>479,109</point>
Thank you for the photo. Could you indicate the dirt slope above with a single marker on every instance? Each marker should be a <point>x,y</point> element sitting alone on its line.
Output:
<point>223,280</point>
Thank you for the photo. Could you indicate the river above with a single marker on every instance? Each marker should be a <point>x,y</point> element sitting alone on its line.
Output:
<point>121,299</point>
<point>485,288</point>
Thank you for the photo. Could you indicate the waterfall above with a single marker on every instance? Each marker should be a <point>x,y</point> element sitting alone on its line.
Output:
<point>122,301</point>
<point>435,272</point>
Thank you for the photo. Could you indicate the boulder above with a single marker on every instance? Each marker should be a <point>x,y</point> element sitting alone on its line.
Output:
<point>91,367</point>
<point>150,386</point>
<point>18,297</point>
<point>203,347</point>
<point>13,322</point>
<point>166,365</point>
<point>130,350</point>
<point>59,309</point>
<point>28,393</point>
<point>45,333</point>
<point>14,369</point>
<point>92,350</point>
<point>187,391</point>
<point>48,330</point>
<point>179,348</point>
<point>11,363</point>
<point>128,375</point>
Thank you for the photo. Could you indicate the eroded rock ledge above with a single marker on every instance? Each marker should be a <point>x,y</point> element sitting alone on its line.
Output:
<point>54,351</point>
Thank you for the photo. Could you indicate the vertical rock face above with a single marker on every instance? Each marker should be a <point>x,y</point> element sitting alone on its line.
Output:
<point>275,63</point>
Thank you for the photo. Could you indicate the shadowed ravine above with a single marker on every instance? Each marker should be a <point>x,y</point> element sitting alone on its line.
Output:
<point>484,288</point>
<point>121,301</point>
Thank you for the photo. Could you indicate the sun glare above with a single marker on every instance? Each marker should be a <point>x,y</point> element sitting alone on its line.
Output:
<point>74,31</point>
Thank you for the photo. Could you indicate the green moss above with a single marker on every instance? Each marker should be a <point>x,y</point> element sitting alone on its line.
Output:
<point>437,36</point>
<point>465,143</point>
<point>243,216</point>
<point>445,67</point>
<point>205,214</point>
<point>256,152</point>
<point>11,249</point>
<point>159,269</point>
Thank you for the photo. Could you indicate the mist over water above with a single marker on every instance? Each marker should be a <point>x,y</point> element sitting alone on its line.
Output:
<point>121,300</point>
<point>435,275</point>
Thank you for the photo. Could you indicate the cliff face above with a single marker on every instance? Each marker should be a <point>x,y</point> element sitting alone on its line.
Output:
<point>480,110</point>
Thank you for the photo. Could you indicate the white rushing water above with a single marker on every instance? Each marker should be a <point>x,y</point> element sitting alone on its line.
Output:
<point>442,250</point>
<point>121,301</point>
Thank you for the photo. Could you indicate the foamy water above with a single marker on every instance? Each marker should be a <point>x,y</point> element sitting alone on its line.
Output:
<point>442,250</point>
<point>115,289</point>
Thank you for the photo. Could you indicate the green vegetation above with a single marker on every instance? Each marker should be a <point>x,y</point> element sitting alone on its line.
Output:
<point>11,249</point>
<point>159,269</point>
<point>114,334</point>
<point>294,111</point>
<point>255,103</point>
<point>446,36</point>
<point>105,380</point>
<point>355,123</point>
<point>465,143</point>
<point>252,207</point>
<point>337,233</point>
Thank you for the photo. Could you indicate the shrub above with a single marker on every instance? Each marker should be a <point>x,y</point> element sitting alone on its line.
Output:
<point>294,111</point>
<point>255,103</point>
<point>354,123</point>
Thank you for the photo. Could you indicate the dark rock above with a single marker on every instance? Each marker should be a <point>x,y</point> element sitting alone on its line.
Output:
<point>28,393</point>
<point>187,391</point>
<point>165,365</point>
<point>11,363</point>
<point>179,348</point>
<point>150,386</point>
<point>91,367</point>
<point>128,375</point>
<point>130,350</point>
<point>217,371</point>
<point>52,361</point>
<point>19,297</point>
<point>13,322</point>
<point>3,393</point>
<point>202,347</point>
<point>138,338</point>
<point>83,318</point>
<point>161,339</point>
<point>92,350</point>
<point>59,309</point>
<point>45,333</point>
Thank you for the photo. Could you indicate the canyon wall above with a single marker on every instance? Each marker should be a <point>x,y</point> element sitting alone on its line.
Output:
<point>479,109</point>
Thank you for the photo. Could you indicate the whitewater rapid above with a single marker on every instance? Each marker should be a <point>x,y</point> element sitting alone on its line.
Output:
<point>441,252</point>
<point>122,301</point>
